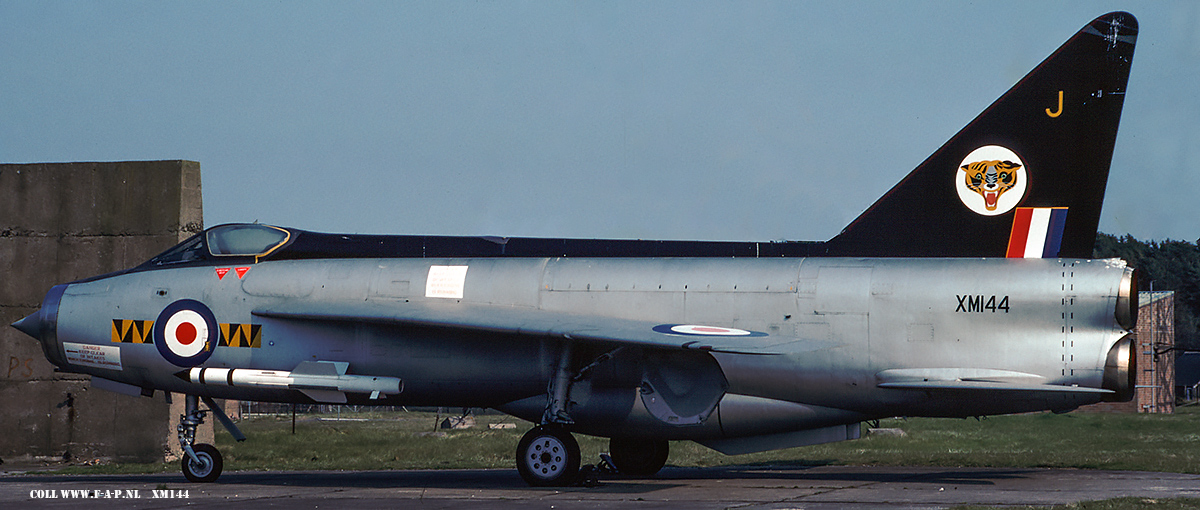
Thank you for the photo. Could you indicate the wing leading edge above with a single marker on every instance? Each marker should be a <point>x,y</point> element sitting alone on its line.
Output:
<point>532,322</point>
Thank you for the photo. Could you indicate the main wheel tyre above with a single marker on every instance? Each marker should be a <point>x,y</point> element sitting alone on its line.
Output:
<point>638,457</point>
<point>548,456</point>
<point>209,467</point>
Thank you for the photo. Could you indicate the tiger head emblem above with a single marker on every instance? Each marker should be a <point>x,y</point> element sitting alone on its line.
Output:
<point>991,179</point>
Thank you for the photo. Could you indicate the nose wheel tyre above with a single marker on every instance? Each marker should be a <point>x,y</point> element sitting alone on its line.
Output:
<point>548,456</point>
<point>638,457</point>
<point>209,467</point>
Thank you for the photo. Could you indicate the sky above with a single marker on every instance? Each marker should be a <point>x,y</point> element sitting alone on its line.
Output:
<point>711,120</point>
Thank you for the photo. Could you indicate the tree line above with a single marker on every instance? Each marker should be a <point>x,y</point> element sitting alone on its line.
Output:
<point>1167,265</point>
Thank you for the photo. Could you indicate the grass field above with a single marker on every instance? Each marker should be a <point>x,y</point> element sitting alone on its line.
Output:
<point>1142,442</point>
<point>372,441</point>
<point>1086,441</point>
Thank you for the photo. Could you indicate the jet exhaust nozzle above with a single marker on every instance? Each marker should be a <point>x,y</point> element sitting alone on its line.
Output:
<point>1127,300</point>
<point>1120,370</point>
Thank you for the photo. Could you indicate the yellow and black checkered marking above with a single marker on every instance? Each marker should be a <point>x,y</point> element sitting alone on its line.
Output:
<point>241,335</point>
<point>129,331</point>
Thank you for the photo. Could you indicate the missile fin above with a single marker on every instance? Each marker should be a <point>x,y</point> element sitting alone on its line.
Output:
<point>329,368</point>
<point>325,396</point>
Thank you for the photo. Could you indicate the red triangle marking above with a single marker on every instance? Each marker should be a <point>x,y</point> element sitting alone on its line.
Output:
<point>221,271</point>
<point>241,271</point>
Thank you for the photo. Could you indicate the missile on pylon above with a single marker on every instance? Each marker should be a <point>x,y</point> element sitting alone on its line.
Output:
<point>322,381</point>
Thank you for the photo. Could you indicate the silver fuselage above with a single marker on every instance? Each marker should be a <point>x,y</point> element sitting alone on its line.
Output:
<point>837,331</point>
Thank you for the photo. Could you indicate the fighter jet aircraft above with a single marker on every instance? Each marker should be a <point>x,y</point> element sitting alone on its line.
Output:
<point>964,291</point>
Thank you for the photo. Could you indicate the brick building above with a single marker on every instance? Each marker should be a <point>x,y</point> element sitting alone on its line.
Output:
<point>1155,388</point>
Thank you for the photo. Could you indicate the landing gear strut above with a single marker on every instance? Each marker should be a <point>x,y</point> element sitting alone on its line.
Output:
<point>548,455</point>
<point>201,462</point>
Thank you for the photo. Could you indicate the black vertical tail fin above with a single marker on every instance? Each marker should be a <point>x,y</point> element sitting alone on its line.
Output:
<point>1026,178</point>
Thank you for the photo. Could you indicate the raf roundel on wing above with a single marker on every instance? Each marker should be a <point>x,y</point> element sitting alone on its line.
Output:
<point>699,330</point>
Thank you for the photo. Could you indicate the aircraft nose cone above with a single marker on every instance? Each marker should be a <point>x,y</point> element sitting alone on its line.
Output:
<point>33,325</point>
<point>42,325</point>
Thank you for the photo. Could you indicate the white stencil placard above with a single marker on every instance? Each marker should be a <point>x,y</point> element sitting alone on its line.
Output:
<point>446,282</point>
<point>98,356</point>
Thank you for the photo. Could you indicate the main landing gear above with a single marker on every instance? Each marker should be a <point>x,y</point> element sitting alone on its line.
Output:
<point>638,457</point>
<point>201,463</point>
<point>548,455</point>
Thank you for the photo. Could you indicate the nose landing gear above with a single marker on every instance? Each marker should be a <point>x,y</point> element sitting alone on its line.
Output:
<point>202,462</point>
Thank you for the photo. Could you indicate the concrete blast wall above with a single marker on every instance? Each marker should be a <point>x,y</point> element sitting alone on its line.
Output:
<point>61,222</point>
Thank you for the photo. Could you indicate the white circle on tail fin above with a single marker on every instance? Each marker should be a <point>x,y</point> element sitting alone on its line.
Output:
<point>991,180</point>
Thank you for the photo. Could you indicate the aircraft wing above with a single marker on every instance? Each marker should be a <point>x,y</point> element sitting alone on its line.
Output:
<point>535,322</point>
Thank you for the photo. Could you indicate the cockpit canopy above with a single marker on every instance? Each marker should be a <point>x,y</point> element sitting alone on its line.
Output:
<point>243,243</point>
<point>244,240</point>
<point>232,240</point>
